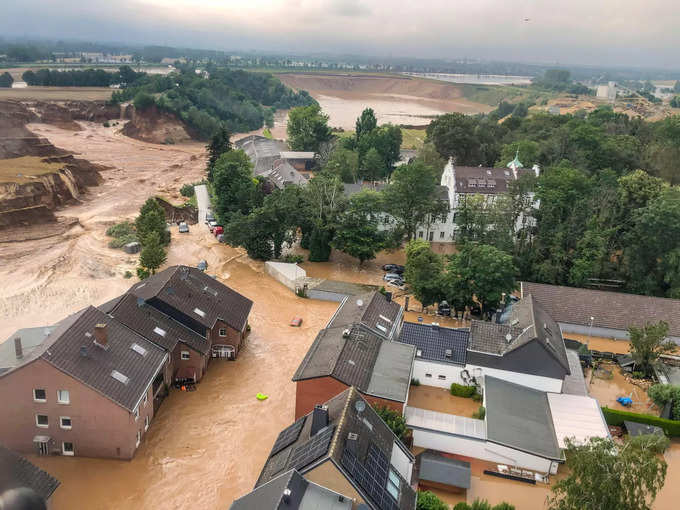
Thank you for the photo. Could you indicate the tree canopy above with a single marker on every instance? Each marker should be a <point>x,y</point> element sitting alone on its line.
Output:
<point>307,128</point>
<point>647,344</point>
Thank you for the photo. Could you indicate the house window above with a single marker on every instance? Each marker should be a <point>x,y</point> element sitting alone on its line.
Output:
<point>393,485</point>
<point>65,422</point>
<point>146,422</point>
<point>63,397</point>
<point>441,235</point>
<point>136,413</point>
<point>420,234</point>
<point>67,448</point>
<point>223,331</point>
<point>39,395</point>
<point>42,421</point>
<point>139,438</point>
<point>442,377</point>
<point>185,355</point>
<point>145,399</point>
<point>428,375</point>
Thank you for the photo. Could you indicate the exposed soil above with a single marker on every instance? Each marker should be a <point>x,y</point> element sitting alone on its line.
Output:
<point>58,93</point>
<point>395,99</point>
<point>156,126</point>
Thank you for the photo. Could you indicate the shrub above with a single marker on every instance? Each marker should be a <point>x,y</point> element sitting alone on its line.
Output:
<point>504,506</point>
<point>477,397</point>
<point>393,420</point>
<point>459,390</point>
<point>143,101</point>
<point>663,393</point>
<point>120,229</point>
<point>143,273</point>
<point>480,413</point>
<point>617,417</point>
<point>187,190</point>
<point>300,292</point>
<point>429,501</point>
<point>128,274</point>
<point>292,258</point>
<point>638,375</point>
<point>415,382</point>
<point>106,124</point>
<point>121,241</point>
<point>169,141</point>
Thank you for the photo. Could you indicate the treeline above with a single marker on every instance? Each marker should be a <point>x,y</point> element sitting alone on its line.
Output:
<point>559,80</point>
<point>125,76</point>
<point>236,100</point>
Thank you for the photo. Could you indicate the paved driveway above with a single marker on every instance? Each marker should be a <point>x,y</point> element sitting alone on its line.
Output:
<point>203,201</point>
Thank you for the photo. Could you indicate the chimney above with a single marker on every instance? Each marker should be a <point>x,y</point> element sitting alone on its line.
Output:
<point>101,337</point>
<point>388,297</point>
<point>18,350</point>
<point>286,495</point>
<point>319,419</point>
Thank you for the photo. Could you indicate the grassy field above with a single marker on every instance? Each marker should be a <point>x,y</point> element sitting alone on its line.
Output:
<point>21,170</point>
<point>494,94</point>
<point>58,93</point>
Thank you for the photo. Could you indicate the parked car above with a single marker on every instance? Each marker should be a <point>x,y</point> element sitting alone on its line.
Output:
<point>209,216</point>
<point>219,229</point>
<point>392,276</point>
<point>296,322</point>
<point>220,238</point>
<point>444,309</point>
<point>398,283</point>
<point>393,268</point>
<point>202,265</point>
<point>212,224</point>
<point>183,227</point>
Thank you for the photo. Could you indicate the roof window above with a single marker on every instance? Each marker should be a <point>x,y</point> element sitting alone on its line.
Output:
<point>200,312</point>
<point>159,331</point>
<point>138,349</point>
<point>385,319</point>
<point>120,377</point>
<point>381,328</point>
<point>449,353</point>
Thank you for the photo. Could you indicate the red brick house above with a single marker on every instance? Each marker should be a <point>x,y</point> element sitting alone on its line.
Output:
<point>341,357</point>
<point>86,389</point>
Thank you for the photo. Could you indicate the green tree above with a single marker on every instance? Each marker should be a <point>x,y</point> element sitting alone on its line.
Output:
<point>307,128</point>
<point>372,166</point>
<point>480,272</point>
<point>344,164</point>
<point>153,254</point>
<point>429,501</point>
<point>219,144</point>
<point>423,272</point>
<point>6,80</point>
<point>647,344</point>
<point>528,152</point>
<point>454,136</point>
<point>357,232</point>
<point>411,197</point>
<point>365,123</point>
<point>143,101</point>
<point>394,420</point>
<point>603,474</point>
<point>151,220</point>
<point>233,184</point>
<point>386,140</point>
<point>429,156</point>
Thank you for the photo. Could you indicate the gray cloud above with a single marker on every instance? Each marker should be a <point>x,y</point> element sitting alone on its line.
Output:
<point>578,31</point>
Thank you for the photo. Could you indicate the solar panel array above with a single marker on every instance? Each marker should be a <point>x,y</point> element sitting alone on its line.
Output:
<point>288,436</point>
<point>372,476</point>
<point>311,450</point>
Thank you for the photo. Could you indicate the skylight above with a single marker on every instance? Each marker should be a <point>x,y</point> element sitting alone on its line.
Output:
<point>138,349</point>
<point>385,319</point>
<point>381,328</point>
<point>200,312</point>
<point>120,377</point>
<point>159,331</point>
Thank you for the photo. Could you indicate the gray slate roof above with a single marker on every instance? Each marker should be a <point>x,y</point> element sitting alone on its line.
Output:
<point>16,472</point>
<point>613,310</point>
<point>186,289</point>
<point>144,319</point>
<point>519,417</point>
<point>344,419</point>
<point>362,359</point>
<point>433,342</point>
<point>477,179</point>
<point>529,322</point>
<point>95,367</point>
<point>31,339</point>
<point>261,151</point>
<point>372,314</point>
<point>283,174</point>
<point>435,467</point>
<point>642,429</point>
<point>304,495</point>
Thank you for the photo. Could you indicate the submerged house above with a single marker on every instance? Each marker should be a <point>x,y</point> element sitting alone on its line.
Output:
<point>345,446</point>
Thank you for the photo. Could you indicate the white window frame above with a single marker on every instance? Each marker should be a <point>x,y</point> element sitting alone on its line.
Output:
<point>63,402</point>
<point>61,422</point>
<point>65,452</point>
<point>136,413</point>
<point>146,423</point>
<point>185,355</point>
<point>138,438</point>
<point>391,484</point>
<point>428,375</point>
<point>37,424</point>
<point>222,332</point>
<point>36,399</point>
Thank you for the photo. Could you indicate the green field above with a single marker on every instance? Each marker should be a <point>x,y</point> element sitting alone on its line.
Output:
<point>494,94</point>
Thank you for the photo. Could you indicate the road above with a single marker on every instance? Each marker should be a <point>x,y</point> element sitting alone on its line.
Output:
<point>203,201</point>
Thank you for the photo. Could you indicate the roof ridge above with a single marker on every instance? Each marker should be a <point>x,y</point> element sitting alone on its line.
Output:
<point>341,421</point>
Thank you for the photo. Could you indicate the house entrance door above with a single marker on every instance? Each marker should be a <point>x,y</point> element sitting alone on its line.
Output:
<point>42,444</point>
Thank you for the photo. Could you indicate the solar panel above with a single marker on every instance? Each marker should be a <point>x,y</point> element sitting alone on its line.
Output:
<point>288,436</point>
<point>308,452</point>
<point>372,476</point>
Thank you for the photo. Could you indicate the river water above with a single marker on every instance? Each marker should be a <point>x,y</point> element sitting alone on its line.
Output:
<point>476,79</point>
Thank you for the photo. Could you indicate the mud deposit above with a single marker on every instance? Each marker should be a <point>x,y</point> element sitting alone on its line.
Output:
<point>399,100</point>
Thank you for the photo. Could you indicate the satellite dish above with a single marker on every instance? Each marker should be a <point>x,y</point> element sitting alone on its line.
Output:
<point>360,406</point>
<point>360,302</point>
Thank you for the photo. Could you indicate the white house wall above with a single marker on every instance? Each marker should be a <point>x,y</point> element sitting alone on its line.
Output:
<point>451,374</point>
<point>483,450</point>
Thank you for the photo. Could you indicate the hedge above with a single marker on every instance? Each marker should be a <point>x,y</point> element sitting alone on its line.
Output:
<point>616,417</point>
<point>463,391</point>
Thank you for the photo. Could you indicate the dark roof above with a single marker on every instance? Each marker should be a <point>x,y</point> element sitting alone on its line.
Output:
<point>359,463</point>
<point>360,358</point>
<point>72,350</point>
<point>283,174</point>
<point>303,495</point>
<point>376,313</point>
<point>155,326</point>
<point>519,417</point>
<point>111,304</point>
<point>434,342</point>
<point>477,179</point>
<point>642,429</point>
<point>261,151</point>
<point>191,291</point>
<point>438,468</point>
<point>529,322</point>
<point>16,472</point>
<point>613,310</point>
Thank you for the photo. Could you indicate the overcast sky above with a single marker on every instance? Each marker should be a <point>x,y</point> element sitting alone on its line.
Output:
<point>605,32</point>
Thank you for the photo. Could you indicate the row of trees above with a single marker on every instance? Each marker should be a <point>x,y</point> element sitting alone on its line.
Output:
<point>125,76</point>
<point>6,80</point>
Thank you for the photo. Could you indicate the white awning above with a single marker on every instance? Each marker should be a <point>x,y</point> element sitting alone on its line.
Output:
<point>576,417</point>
